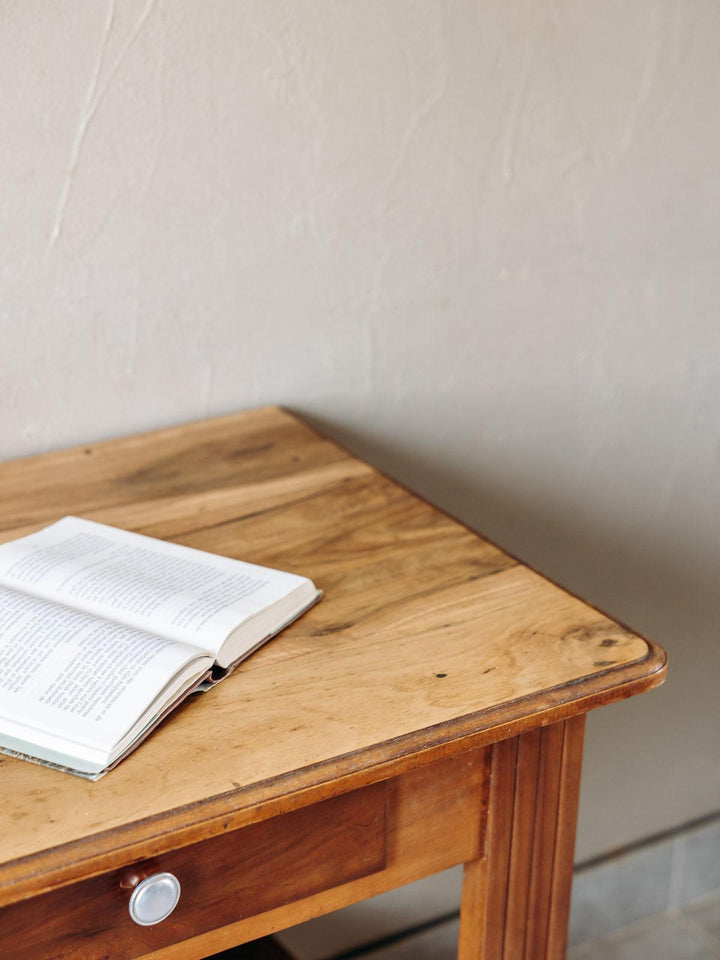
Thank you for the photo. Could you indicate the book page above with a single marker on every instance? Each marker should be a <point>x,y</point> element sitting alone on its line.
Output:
<point>156,586</point>
<point>78,678</point>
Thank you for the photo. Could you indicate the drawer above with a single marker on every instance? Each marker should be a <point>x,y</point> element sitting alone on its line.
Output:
<point>223,879</point>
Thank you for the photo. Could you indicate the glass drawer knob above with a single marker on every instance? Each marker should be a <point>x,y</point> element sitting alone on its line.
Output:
<point>154,898</point>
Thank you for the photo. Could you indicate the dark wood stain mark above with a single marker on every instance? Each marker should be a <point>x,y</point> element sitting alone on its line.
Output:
<point>333,628</point>
<point>250,451</point>
<point>184,467</point>
<point>598,633</point>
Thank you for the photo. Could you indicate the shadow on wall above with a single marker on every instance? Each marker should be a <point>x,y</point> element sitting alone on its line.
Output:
<point>664,744</point>
<point>657,581</point>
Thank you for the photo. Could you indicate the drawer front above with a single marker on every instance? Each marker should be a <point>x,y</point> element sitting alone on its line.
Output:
<point>223,879</point>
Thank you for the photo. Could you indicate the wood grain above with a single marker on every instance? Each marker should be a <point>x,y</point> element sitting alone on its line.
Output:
<point>429,642</point>
<point>222,879</point>
<point>435,821</point>
<point>516,898</point>
<point>432,823</point>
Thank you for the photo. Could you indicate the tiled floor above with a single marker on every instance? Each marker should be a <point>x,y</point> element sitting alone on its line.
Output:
<point>689,934</point>
<point>659,901</point>
<point>658,878</point>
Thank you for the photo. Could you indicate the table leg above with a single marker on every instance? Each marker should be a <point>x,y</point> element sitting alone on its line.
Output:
<point>516,897</point>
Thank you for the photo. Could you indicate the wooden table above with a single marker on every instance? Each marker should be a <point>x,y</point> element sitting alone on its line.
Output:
<point>428,712</point>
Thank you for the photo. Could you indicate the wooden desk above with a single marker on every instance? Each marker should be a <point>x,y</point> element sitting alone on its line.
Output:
<point>428,712</point>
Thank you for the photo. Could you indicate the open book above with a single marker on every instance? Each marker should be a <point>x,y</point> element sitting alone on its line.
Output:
<point>103,632</point>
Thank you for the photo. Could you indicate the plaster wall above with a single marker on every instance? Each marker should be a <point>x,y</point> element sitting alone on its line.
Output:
<point>475,240</point>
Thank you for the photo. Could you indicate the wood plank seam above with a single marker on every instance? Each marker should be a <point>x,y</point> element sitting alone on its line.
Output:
<point>501,827</point>
<point>534,874</point>
<point>567,810</point>
<point>558,825</point>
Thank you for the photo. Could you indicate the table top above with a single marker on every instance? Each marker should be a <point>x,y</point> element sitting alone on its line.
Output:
<point>428,641</point>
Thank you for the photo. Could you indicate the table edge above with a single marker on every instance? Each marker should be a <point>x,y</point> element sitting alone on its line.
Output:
<point>80,859</point>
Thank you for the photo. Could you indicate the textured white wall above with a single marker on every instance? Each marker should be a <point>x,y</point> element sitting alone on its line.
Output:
<point>477,241</point>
